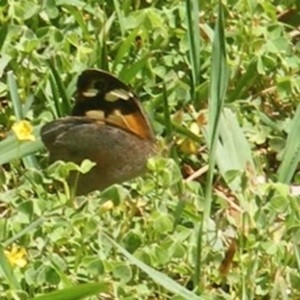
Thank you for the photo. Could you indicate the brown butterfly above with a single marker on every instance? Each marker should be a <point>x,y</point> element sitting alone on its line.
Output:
<point>108,126</point>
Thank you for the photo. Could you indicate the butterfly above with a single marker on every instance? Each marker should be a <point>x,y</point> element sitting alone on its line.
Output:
<point>107,126</point>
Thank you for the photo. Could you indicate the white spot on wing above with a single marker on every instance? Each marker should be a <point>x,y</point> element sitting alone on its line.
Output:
<point>90,93</point>
<point>117,94</point>
<point>117,112</point>
<point>95,114</point>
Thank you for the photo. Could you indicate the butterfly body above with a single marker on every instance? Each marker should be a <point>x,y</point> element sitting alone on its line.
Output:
<point>108,127</point>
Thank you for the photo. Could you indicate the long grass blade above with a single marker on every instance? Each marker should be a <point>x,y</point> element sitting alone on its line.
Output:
<point>158,277</point>
<point>102,61</point>
<point>124,48</point>
<point>244,81</point>
<point>66,103</point>
<point>270,123</point>
<point>169,134</point>
<point>218,86</point>
<point>3,34</point>
<point>26,230</point>
<point>291,156</point>
<point>76,292</point>
<point>120,17</point>
<point>192,13</point>
<point>57,109</point>
<point>13,90</point>
<point>130,72</point>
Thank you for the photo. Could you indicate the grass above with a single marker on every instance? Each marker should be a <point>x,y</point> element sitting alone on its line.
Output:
<point>214,218</point>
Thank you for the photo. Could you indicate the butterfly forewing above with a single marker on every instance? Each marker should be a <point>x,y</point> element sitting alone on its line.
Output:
<point>103,96</point>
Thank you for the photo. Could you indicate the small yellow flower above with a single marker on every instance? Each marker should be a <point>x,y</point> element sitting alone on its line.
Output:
<point>187,145</point>
<point>106,206</point>
<point>23,131</point>
<point>16,256</point>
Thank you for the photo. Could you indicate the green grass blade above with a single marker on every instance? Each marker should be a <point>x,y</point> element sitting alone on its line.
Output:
<point>26,230</point>
<point>168,123</point>
<point>102,60</point>
<point>58,112</point>
<point>66,103</point>
<point>3,34</point>
<point>218,86</point>
<point>77,292</point>
<point>297,254</point>
<point>291,156</point>
<point>267,121</point>
<point>244,81</point>
<point>192,13</point>
<point>13,90</point>
<point>156,276</point>
<point>28,104</point>
<point>120,17</point>
<point>169,135</point>
<point>124,48</point>
<point>219,79</point>
<point>78,16</point>
<point>127,74</point>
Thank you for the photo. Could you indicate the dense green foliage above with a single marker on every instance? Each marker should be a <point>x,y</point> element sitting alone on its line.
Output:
<point>217,216</point>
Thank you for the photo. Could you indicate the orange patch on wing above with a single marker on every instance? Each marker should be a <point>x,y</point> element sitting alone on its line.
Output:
<point>137,124</point>
<point>134,123</point>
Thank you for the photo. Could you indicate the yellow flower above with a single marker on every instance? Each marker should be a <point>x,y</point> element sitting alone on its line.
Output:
<point>23,131</point>
<point>106,206</point>
<point>16,256</point>
<point>187,145</point>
